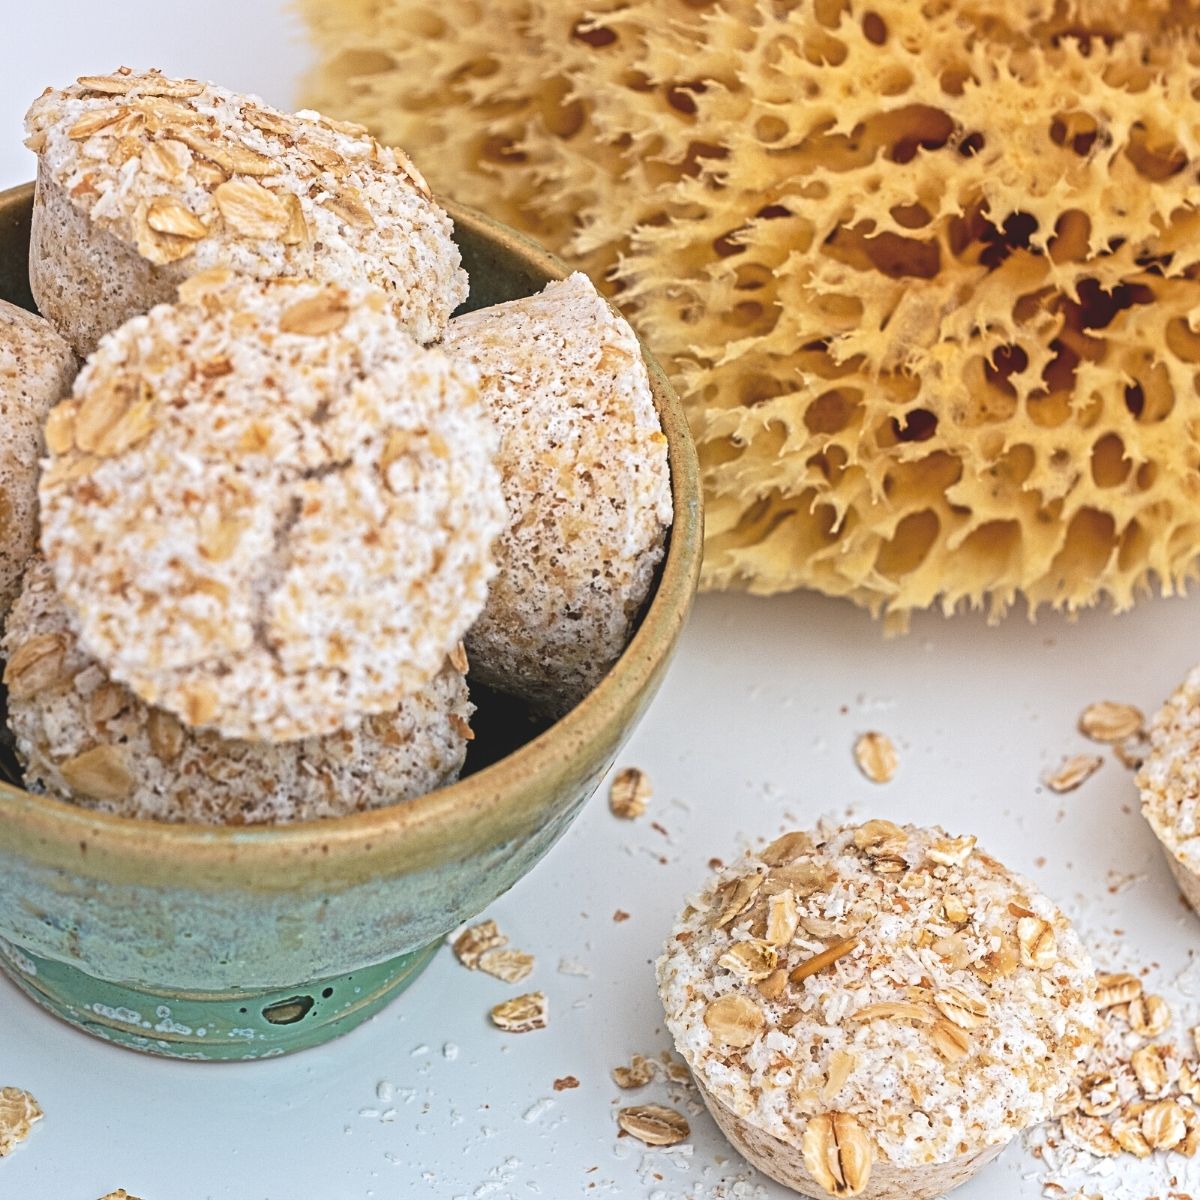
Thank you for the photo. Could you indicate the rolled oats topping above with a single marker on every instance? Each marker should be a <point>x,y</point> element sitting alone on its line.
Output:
<point>194,176</point>
<point>928,1004</point>
<point>83,738</point>
<point>268,511</point>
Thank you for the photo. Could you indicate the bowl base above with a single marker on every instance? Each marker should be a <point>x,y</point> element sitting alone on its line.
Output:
<point>234,1026</point>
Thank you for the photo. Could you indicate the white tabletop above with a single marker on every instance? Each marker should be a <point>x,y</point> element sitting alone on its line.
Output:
<point>752,732</point>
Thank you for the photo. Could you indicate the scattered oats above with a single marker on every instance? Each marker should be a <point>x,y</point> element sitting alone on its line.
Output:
<point>629,793</point>
<point>1150,1071</point>
<point>510,965</point>
<point>639,1073</point>
<point>18,1113</point>
<point>1107,721</point>
<point>837,1153</point>
<point>620,916</point>
<point>1149,1016</point>
<point>450,1051</point>
<point>565,1083</point>
<point>1133,753</point>
<point>654,1124</point>
<point>676,1071</point>
<point>876,756</point>
<point>1128,1132</point>
<point>1099,1094</point>
<point>119,1194</point>
<point>1163,1125</point>
<point>521,1014</point>
<point>1090,1134</point>
<point>1118,989</point>
<point>1073,772</point>
<point>385,1090</point>
<point>572,966</point>
<point>472,944</point>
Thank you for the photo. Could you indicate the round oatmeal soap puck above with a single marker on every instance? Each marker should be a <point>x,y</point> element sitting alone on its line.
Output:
<point>144,180</point>
<point>1169,782</point>
<point>85,739</point>
<point>584,464</point>
<point>876,1010</point>
<point>267,509</point>
<point>36,369</point>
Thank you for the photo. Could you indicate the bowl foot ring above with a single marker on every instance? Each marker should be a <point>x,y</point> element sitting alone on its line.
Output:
<point>233,1026</point>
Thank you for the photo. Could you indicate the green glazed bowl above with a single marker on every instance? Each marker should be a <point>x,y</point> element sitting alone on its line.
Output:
<point>235,944</point>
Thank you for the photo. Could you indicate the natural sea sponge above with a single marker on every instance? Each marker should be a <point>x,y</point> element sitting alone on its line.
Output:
<point>927,274</point>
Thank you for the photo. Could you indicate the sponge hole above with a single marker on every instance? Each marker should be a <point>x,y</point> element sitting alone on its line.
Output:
<point>875,29</point>
<point>596,36</point>
<point>1110,467</point>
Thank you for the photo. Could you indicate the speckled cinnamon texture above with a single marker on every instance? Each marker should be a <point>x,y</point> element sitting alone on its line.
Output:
<point>584,465</point>
<point>83,738</point>
<point>268,510</point>
<point>36,369</point>
<point>145,180</point>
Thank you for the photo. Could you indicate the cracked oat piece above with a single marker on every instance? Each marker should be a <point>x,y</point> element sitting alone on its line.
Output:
<point>922,270</point>
<point>268,510</point>
<point>891,1050</point>
<point>1169,782</point>
<point>145,180</point>
<point>584,462</point>
<point>19,1111</point>
<point>36,369</point>
<point>83,738</point>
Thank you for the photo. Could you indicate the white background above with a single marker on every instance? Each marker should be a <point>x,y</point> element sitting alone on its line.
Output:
<point>752,732</point>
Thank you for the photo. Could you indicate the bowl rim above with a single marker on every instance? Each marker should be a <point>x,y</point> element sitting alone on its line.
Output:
<point>449,823</point>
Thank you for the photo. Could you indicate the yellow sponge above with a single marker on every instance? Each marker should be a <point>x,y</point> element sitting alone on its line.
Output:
<point>927,272</point>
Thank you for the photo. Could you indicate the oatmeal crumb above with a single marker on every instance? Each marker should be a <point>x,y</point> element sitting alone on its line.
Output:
<point>629,793</point>
<point>875,755</point>
<point>1072,772</point>
<point>19,1111</point>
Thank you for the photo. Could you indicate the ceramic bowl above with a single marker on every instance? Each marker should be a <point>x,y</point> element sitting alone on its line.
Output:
<point>234,944</point>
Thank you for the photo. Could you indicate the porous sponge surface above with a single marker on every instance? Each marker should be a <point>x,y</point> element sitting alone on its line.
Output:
<point>925,273</point>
